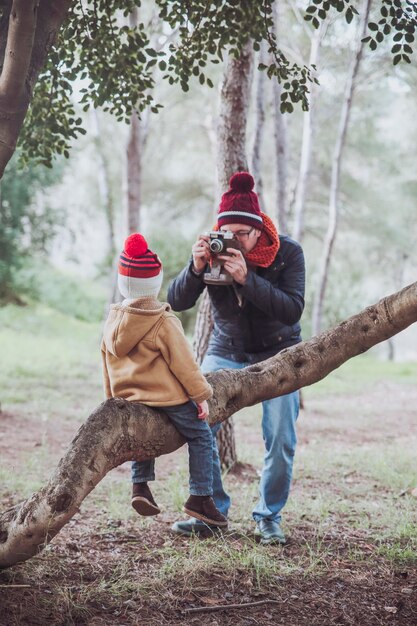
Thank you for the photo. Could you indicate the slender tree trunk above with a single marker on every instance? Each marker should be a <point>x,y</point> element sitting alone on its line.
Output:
<point>281,145</point>
<point>119,431</point>
<point>103,179</point>
<point>134,175</point>
<point>281,157</point>
<point>307,141</point>
<point>335,179</point>
<point>231,157</point>
<point>32,28</point>
<point>203,328</point>
<point>259,129</point>
<point>399,268</point>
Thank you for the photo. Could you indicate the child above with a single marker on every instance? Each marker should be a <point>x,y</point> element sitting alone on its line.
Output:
<point>147,359</point>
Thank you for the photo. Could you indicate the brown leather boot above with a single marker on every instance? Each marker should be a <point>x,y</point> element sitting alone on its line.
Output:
<point>204,509</point>
<point>142,500</point>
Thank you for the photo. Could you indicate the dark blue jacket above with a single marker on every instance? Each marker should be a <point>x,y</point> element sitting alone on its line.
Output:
<point>266,320</point>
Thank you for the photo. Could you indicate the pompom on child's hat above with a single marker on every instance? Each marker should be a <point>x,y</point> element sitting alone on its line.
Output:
<point>240,204</point>
<point>140,270</point>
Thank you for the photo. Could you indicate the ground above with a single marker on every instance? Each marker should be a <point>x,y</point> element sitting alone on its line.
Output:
<point>351,518</point>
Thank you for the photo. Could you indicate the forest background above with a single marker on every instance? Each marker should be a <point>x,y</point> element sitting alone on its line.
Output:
<point>60,231</point>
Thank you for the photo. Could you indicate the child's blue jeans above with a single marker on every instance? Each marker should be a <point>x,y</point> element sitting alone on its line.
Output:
<point>200,448</point>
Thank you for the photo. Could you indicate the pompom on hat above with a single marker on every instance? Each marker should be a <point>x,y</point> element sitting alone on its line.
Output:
<point>240,204</point>
<point>140,270</point>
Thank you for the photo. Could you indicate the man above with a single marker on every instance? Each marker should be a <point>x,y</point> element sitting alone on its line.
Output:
<point>254,318</point>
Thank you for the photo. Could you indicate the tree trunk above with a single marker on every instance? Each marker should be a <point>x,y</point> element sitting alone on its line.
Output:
<point>335,179</point>
<point>307,141</point>
<point>32,28</point>
<point>134,175</point>
<point>103,179</point>
<point>281,147</point>
<point>203,328</point>
<point>119,431</point>
<point>259,129</point>
<point>226,442</point>
<point>398,276</point>
<point>231,157</point>
<point>234,103</point>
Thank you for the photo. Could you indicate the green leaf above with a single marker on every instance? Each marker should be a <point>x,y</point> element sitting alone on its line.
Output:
<point>396,59</point>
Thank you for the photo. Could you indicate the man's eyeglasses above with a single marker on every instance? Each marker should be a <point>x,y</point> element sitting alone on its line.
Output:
<point>244,234</point>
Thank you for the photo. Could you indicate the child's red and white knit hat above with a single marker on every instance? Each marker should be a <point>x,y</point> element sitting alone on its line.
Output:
<point>140,270</point>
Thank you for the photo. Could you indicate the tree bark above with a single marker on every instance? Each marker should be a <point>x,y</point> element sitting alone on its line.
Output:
<point>335,178</point>
<point>234,104</point>
<point>103,180</point>
<point>33,25</point>
<point>259,128</point>
<point>281,146</point>
<point>119,431</point>
<point>231,146</point>
<point>134,175</point>
<point>307,141</point>
<point>203,328</point>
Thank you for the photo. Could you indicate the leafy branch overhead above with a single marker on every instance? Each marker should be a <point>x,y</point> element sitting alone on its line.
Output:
<point>111,64</point>
<point>398,18</point>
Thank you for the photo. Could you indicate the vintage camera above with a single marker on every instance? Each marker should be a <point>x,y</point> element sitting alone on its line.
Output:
<point>219,244</point>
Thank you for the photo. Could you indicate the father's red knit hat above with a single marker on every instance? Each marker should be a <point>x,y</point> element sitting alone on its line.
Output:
<point>240,205</point>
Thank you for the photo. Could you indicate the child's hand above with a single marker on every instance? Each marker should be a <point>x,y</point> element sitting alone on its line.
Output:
<point>203,410</point>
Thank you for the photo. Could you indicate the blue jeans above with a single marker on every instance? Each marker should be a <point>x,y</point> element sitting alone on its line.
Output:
<point>278,429</point>
<point>198,435</point>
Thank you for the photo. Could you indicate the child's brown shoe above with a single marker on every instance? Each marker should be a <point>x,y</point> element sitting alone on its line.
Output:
<point>142,500</point>
<point>204,509</point>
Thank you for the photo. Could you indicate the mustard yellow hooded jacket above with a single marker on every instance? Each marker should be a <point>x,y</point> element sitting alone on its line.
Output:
<point>147,358</point>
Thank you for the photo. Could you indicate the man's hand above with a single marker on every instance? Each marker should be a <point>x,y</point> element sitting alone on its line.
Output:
<point>235,265</point>
<point>203,410</point>
<point>201,253</point>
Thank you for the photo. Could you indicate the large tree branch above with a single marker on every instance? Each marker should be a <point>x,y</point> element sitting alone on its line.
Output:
<point>21,34</point>
<point>119,431</point>
<point>33,26</point>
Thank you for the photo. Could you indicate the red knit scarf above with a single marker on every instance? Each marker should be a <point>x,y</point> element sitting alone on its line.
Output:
<point>267,245</point>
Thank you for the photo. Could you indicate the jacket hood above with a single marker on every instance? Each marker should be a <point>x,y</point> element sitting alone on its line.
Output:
<point>127,325</point>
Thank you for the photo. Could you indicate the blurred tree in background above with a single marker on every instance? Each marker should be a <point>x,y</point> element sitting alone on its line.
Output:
<point>27,222</point>
<point>178,50</point>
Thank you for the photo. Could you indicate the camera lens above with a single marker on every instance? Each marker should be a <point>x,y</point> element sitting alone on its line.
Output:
<point>216,245</point>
